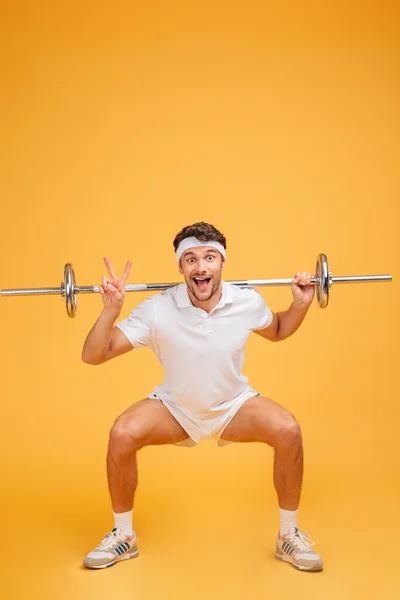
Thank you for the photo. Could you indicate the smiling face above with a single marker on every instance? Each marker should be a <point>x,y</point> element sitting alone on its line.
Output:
<point>201,268</point>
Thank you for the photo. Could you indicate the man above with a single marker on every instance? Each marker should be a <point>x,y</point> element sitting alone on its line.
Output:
<point>198,330</point>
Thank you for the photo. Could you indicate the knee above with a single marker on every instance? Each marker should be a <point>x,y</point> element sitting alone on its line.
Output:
<point>289,432</point>
<point>126,436</point>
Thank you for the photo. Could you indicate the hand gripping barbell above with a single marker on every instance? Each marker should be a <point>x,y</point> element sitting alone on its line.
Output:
<point>68,289</point>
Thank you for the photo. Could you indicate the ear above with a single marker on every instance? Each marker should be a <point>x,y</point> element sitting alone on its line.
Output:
<point>222,264</point>
<point>180,268</point>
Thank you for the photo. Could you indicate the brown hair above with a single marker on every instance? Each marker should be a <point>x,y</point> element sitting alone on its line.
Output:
<point>202,231</point>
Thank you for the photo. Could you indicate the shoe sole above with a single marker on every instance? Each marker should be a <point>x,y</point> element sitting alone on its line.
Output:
<point>299,568</point>
<point>114,562</point>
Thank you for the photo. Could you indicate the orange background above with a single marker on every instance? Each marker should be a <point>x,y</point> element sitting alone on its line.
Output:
<point>121,123</point>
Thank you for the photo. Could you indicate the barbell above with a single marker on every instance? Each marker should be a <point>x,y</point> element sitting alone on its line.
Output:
<point>323,281</point>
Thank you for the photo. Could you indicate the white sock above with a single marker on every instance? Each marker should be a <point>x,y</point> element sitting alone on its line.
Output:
<point>124,522</point>
<point>288,520</point>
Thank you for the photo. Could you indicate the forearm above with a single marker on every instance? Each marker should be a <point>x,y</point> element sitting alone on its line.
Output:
<point>98,340</point>
<point>290,320</point>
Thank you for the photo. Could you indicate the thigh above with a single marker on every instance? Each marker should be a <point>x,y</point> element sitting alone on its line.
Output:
<point>151,422</point>
<point>259,419</point>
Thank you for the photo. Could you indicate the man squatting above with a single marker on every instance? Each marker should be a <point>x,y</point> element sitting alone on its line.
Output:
<point>198,331</point>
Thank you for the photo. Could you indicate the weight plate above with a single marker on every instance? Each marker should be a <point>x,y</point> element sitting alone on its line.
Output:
<point>323,280</point>
<point>69,290</point>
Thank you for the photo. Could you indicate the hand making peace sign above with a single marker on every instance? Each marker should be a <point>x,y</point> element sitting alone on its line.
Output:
<point>113,290</point>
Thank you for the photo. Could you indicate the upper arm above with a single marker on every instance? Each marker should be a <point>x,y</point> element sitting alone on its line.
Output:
<point>119,344</point>
<point>270,332</point>
<point>133,332</point>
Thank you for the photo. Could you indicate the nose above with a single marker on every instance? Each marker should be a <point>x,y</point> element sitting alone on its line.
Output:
<point>202,266</point>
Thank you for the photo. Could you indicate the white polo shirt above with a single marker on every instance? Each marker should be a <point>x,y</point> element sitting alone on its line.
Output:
<point>202,353</point>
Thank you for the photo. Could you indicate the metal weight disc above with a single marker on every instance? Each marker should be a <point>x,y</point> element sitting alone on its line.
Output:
<point>323,280</point>
<point>69,290</point>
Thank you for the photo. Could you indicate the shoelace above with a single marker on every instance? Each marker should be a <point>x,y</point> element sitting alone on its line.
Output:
<point>110,539</point>
<point>300,539</point>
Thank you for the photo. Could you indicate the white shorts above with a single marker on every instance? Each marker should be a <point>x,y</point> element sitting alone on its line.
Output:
<point>206,425</point>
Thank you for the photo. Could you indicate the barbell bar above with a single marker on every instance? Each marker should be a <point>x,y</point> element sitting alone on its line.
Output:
<point>323,281</point>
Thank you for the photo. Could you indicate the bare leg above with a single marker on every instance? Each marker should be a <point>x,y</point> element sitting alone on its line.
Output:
<point>288,474</point>
<point>263,420</point>
<point>145,423</point>
<point>122,477</point>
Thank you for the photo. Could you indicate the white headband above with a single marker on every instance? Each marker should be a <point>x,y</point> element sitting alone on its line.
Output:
<point>193,242</point>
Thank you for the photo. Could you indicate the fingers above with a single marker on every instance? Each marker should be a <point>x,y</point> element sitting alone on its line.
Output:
<point>113,276</point>
<point>302,278</point>
<point>107,285</point>
<point>127,270</point>
<point>109,268</point>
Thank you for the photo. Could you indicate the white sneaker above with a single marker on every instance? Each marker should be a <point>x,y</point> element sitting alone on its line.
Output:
<point>295,548</point>
<point>114,547</point>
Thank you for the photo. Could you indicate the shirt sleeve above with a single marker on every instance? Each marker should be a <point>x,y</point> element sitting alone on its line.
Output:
<point>262,316</point>
<point>138,327</point>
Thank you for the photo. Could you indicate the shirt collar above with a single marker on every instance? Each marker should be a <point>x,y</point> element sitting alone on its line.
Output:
<point>184,301</point>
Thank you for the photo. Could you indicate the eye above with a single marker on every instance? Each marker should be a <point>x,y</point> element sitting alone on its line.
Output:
<point>210,256</point>
<point>190,260</point>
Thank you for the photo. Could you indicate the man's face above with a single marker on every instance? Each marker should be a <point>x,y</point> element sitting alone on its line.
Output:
<point>201,268</point>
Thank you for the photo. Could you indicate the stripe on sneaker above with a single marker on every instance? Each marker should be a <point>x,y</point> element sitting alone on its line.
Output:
<point>288,548</point>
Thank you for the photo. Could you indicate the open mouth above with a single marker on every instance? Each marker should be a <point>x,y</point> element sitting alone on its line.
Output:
<point>202,283</point>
